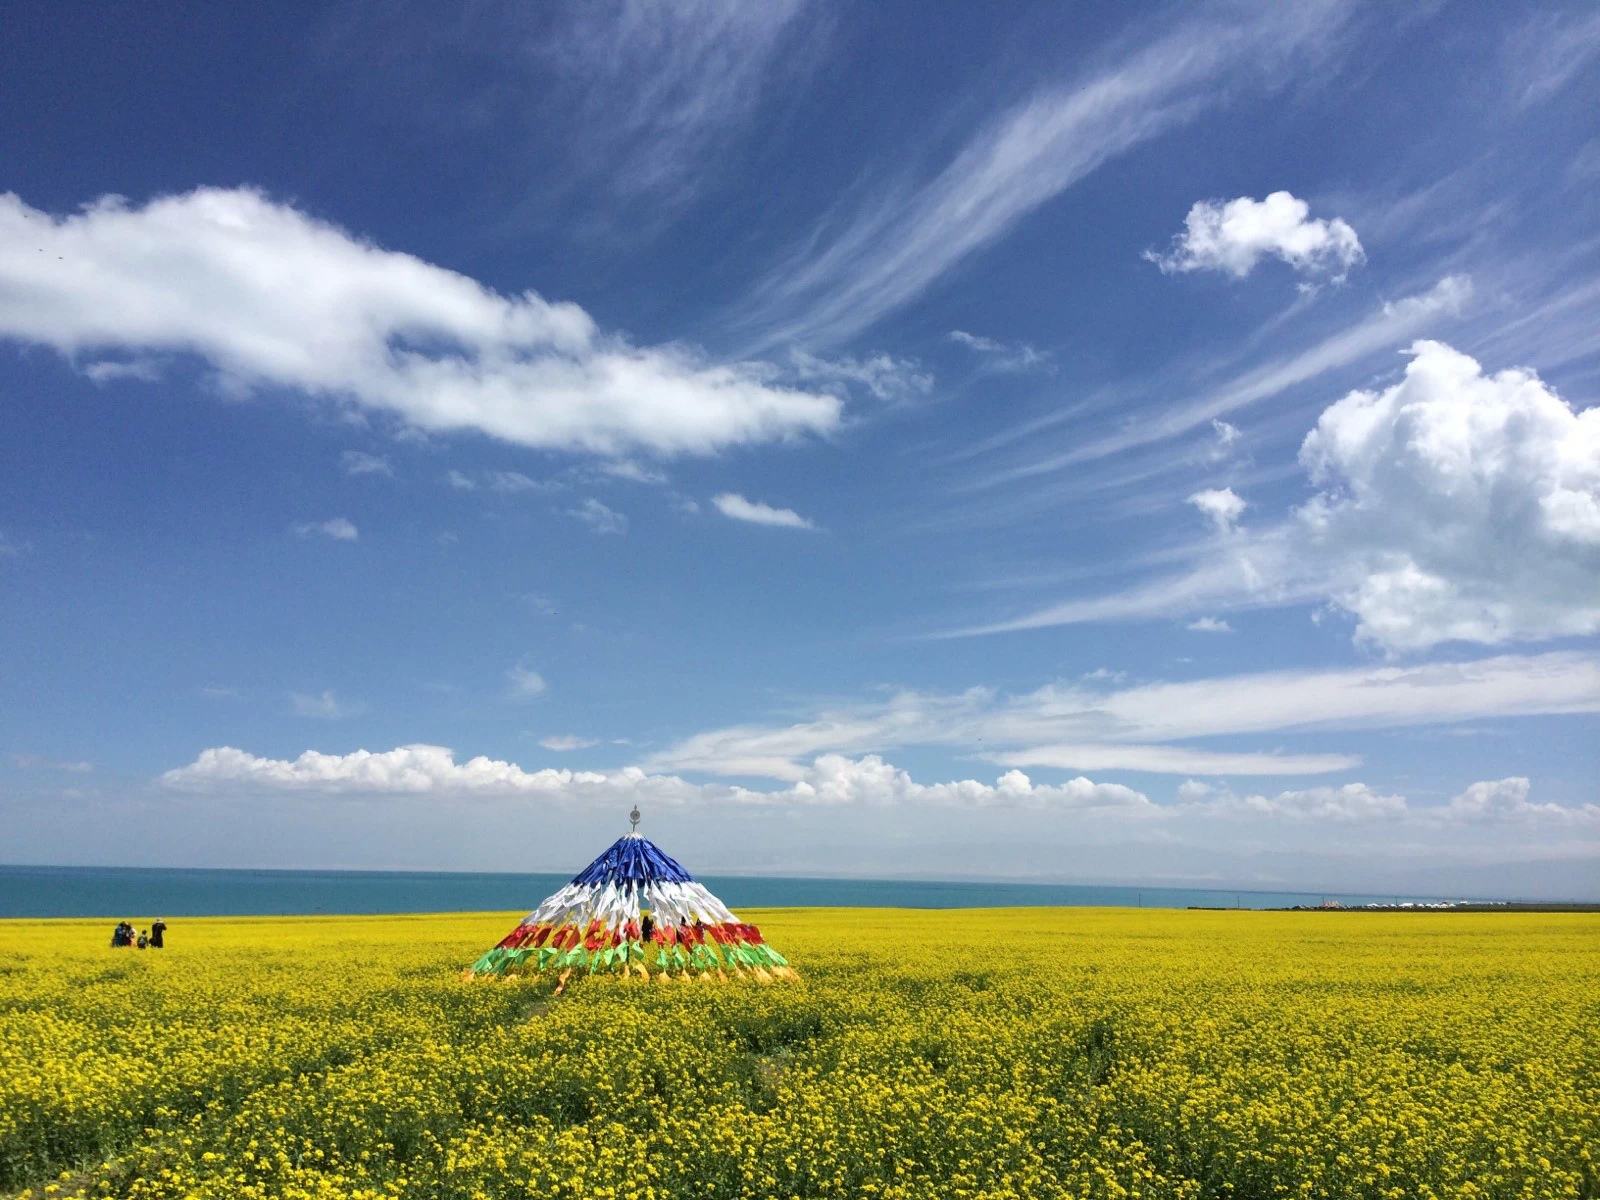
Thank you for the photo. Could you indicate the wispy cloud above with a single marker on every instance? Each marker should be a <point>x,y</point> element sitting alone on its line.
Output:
<point>736,507</point>
<point>323,705</point>
<point>339,529</point>
<point>524,682</point>
<point>599,517</point>
<point>1388,328</point>
<point>1017,357</point>
<point>359,462</point>
<point>907,235</point>
<point>659,86</point>
<point>561,743</point>
<point>881,376</point>
<point>108,370</point>
<point>1549,51</point>
<point>511,483</point>
<point>1099,721</point>
<point>38,762</point>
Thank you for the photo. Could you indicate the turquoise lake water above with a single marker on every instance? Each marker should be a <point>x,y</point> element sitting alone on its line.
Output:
<point>145,893</point>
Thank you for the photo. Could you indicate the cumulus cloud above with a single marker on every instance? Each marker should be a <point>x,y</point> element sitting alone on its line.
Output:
<point>1353,802</point>
<point>601,518</point>
<point>271,297</point>
<point>1233,236</point>
<point>359,462</point>
<point>735,506</point>
<point>1002,356</point>
<point>839,782</point>
<point>1221,506</point>
<point>1507,800</point>
<point>830,781</point>
<point>836,780</point>
<point>1454,505</point>
<point>1457,505</point>
<point>1210,625</point>
<point>340,529</point>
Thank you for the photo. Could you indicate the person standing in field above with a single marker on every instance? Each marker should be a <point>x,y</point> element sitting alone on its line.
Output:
<point>157,929</point>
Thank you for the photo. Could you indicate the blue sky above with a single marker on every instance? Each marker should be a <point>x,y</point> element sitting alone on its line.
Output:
<point>1069,442</point>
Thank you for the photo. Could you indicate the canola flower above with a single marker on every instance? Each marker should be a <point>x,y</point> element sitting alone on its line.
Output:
<point>974,1054</point>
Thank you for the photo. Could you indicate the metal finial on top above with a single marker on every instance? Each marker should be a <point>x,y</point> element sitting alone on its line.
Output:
<point>633,818</point>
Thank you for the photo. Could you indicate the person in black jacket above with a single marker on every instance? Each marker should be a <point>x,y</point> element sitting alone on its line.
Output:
<point>157,931</point>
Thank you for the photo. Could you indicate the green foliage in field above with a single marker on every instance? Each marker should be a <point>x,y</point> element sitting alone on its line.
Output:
<point>1047,1053</point>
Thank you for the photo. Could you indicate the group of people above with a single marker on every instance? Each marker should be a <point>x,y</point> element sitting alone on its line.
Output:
<point>125,935</point>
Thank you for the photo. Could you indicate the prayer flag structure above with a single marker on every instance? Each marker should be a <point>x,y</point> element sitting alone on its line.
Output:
<point>634,911</point>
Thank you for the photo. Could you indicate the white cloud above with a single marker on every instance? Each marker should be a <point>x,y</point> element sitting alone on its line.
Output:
<point>1452,506</point>
<point>359,462</point>
<point>601,518</point>
<point>271,297</point>
<point>1235,235</point>
<point>1499,800</point>
<point>1221,506</point>
<point>1002,356</point>
<point>1127,724</point>
<point>1353,802</point>
<point>1210,625</point>
<point>735,506</point>
<point>460,481</point>
<point>1457,505</point>
<point>563,742</point>
<point>834,780</point>
<point>839,783</point>
<point>831,781</point>
<point>325,706</point>
<point>340,529</point>
<point>1224,440</point>
<point>525,683</point>
<point>845,275</point>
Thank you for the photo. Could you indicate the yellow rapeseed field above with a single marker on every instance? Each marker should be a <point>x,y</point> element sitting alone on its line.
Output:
<point>1067,1052</point>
